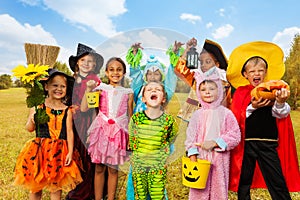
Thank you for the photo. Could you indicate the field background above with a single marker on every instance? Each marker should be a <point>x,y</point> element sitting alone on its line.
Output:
<point>13,115</point>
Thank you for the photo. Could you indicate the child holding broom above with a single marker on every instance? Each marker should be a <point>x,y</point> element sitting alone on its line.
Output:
<point>46,162</point>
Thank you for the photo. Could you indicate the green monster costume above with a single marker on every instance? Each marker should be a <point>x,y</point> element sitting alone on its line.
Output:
<point>150,141</point>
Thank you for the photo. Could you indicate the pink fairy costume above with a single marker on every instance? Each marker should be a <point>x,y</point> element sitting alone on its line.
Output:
<point>214,122</point>
<point>108,133</point>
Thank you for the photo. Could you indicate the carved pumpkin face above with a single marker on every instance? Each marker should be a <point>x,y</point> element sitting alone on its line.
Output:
<point>92,99</point>
<point>194,174</point>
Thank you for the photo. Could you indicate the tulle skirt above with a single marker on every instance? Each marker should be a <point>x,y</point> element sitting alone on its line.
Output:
<point>41,165</point>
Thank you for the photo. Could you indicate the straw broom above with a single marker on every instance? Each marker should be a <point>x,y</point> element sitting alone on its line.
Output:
<point>41,54</point>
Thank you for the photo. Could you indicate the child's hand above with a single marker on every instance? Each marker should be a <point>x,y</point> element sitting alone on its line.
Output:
<point>282,95</point>
<point>74,109</point>
<point>260,102</point>
<point>177,46</point>
<point>136,47</point>
<point>191,43</point>
<point>207,145</point>
<point>68,159</point>
<point>128,147</point>
<point>88,139</point>
<point>90,85</point>
<point>193,158</point>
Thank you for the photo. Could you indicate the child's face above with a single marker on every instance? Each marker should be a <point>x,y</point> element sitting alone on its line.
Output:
<point>86,64</point>
<point>206,61</point>
<point>153,76</point>
<point>255,73</point>
<point>57,87</point>
<point>115,72</point>
<point>208,91</point>
<point>153,95</point>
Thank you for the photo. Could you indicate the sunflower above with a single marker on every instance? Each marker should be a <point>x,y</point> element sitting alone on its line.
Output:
<point>31,73</point>
<point>31,77</point>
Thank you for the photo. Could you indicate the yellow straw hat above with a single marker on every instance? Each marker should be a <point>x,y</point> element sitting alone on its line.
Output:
<point>270,52</point>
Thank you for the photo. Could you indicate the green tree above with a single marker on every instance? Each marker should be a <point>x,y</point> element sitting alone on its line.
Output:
<point>5,81</point>
<point>18,83</point>
<point>292,75</point>
<point>63,67</point>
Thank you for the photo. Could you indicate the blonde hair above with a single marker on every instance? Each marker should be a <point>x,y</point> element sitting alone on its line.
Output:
<point>253,61</point>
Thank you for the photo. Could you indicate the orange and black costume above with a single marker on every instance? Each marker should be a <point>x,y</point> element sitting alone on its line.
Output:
<point>41,163</point>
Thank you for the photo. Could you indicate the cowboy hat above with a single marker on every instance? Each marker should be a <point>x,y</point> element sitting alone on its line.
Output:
<point>270,52</point>
<point>215,49</point>
<point>83,50</point>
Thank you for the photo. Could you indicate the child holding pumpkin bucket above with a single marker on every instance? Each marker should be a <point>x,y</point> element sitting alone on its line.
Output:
<point>150,134</point>
<point>85,65</point>
<point>212,132</point>
<point>108,133</point>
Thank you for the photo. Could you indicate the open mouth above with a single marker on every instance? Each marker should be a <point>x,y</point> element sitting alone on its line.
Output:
<point>256,80</point>
<point>153,97</point>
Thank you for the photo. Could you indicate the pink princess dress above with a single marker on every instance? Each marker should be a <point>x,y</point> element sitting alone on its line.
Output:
<point>108,133</point>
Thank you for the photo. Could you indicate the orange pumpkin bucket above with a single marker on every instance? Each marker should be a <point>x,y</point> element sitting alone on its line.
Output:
<point>194,174</point>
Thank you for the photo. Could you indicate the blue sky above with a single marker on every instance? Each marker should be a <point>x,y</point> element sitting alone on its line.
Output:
<point>111,27</point>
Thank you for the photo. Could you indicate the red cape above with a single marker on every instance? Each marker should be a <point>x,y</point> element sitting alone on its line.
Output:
<point>286,147</point>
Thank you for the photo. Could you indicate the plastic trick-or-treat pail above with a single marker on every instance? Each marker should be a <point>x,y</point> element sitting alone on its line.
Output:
<point>194,174</point>
<point>92,99</point>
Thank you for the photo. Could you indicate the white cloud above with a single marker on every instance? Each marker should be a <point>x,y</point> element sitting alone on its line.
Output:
<point>155,41</point>
<point>285,38</point>
<point>31,2</point>
<point>223,31</point>
<point>118,45</point>
<point>221,12</point>
<point>209,25</point>
<point>95,14</point>
<point>190,18</point>
<point>13,35</point>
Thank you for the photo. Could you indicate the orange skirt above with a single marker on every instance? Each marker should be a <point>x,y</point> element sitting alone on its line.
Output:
<point>40,165</point>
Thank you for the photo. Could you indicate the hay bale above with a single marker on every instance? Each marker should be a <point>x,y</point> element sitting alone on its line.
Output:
<point>41,54</point>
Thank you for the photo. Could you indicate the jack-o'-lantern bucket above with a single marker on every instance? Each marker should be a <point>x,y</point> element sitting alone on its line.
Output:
<point>92,99</point>
<point>194,174</point>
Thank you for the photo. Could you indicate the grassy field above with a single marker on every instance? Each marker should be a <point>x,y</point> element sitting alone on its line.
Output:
<point>13,115</point>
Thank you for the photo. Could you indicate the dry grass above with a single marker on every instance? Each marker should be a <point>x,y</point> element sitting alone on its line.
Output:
<point>13,115</point>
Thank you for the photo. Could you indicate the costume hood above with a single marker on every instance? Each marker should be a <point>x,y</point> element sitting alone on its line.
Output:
<point>211,75</point>
<point>153,65</point>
